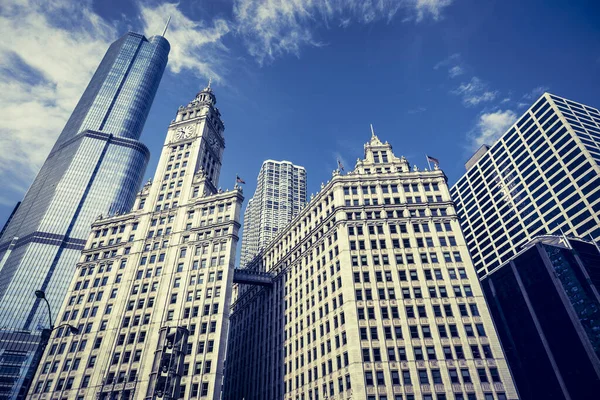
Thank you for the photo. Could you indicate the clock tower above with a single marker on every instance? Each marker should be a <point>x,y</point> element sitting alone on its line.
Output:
<point>198,130</point>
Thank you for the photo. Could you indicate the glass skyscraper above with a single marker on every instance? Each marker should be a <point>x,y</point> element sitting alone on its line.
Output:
<point>546,307</point>
<point>540,177</point>
<point>279,196</point>
<point>95,167</point>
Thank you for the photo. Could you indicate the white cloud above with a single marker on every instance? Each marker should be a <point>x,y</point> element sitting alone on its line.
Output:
<point>535,93</point>
<point>490,127</point>
<point>430,7</point>
<point>456,71</point>
<point>454,65</point>
<point>475,92</point>
<point>42,75</point>
<point>417,110</point>
<point>195,45</point>
<point>277,27</point>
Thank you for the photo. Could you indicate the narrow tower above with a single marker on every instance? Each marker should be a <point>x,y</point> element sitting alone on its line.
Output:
<point>279,196</point>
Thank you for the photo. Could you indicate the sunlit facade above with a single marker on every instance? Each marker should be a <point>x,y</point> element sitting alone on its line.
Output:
<point>95,167</point>
<point>372,296</point>
<point>151,292</point>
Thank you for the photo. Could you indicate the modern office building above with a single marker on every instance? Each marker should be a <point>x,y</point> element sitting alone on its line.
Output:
<point>279,196</point>
<point>370,295</point>
<point>540,177</point>
<point>151,293</point>
<point>546,307</point>
<point>95,167</point>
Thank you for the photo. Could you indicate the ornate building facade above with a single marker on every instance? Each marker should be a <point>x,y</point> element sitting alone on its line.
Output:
<point>95,167</point>
<point>151,293</point>
<point>372,295</point>
<point>279,196</point>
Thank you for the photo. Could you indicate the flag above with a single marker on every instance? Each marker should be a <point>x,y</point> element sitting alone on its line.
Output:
<point>239,180</point>
<point>433,160</point>
<point>340,166</point>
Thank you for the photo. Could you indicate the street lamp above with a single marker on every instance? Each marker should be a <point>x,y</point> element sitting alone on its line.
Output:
<point>42,296</point>
<point>39,351</point>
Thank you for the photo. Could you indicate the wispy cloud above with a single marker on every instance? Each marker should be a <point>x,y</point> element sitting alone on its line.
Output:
<point>417,110</point>
<point>277,27</point>
<point>453,64</point>
<point>41,77</point>
<point>490,126</point>
<point>195,45</point>
<point>535,92</point>
<point>475,92</point>
<point>433,8</point>
<point>456,71</point>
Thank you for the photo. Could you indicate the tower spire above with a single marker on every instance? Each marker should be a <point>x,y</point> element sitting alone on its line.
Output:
<point>372,131</point>
<point>166,26</point>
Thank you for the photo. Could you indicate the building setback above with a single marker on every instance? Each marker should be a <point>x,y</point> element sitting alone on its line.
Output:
<point>372,296</point>
<point>279,196</point>
<point>540,177</point>
<point>95,167</point>
<point>546,307</point>
<point>151,293</point>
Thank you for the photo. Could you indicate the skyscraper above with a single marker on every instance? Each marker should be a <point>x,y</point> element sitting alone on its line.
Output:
<point>546,307</point>
<point>540,177</point>
<point>95,167</point>
<point>372,296</point>
<point>279,196</point>
<point>151,293</point>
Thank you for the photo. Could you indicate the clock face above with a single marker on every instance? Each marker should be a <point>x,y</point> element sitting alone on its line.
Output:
<point>183,132</point>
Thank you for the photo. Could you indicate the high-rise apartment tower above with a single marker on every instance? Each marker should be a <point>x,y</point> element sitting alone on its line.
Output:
<point>151,293</point>
<point>372,296</point>
<point>279,196</point>
<point>95,167</point>
<point>540,177</point>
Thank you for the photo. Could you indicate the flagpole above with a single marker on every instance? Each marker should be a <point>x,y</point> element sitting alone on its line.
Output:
<point>428,163</point>
<point>566,240</point>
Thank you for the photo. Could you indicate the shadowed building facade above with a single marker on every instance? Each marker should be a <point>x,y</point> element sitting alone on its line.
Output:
<point>371,296</point>
<point>546,306</point>
<point>95,167</point>
<point>151,292</point>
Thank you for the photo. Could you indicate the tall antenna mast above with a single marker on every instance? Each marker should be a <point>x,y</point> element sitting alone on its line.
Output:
<point>166,26</point>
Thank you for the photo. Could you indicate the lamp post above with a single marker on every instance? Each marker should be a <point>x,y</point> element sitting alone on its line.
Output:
<point>42,296</point>
<point>46,333</point>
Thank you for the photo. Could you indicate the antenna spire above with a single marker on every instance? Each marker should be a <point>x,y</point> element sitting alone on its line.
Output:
<point>209,82</point>
<point>166,26</point>
<point>372,131</point>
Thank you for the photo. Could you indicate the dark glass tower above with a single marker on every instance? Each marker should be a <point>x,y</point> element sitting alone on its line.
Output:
<point>546,307</point>
<point>95,167</point>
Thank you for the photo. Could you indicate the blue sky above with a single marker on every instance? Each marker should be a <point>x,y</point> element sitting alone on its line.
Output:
<point>300,81</point>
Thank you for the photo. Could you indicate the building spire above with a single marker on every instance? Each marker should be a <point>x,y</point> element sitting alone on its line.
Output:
<point>166,26</point>
<point>372,131</point>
